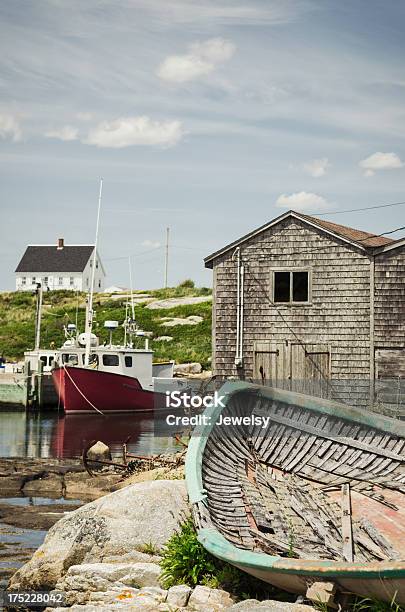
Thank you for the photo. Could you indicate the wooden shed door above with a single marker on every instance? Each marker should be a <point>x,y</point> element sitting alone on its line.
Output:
<point>271,363</point>
<point>305,369</point>
<point>310,369</point>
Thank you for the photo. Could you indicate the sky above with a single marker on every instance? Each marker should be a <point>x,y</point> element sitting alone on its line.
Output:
<point>210,117</point>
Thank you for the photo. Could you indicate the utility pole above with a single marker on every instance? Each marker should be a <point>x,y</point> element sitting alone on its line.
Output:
<point>167,255</point>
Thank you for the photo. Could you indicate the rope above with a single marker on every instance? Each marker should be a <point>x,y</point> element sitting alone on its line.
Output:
<point>81,393</point>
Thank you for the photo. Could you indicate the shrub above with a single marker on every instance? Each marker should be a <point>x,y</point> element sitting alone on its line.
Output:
<point>187,284</point>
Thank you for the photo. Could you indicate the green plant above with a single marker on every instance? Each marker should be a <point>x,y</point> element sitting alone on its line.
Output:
<point>291,540</point>
<point>185,561</point>
<point>188,283</point>
<point>373,605</point>
<point>149,549</point>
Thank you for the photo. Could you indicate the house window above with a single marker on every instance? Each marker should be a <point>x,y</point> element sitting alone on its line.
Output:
<point>46,281</point>
<point>24,280</point>
<point>71,281</point>
<point>96,264</point>
<point>99,284</point>
<point>34,280</point>
<point>60,280</point>
<point>291,287</point>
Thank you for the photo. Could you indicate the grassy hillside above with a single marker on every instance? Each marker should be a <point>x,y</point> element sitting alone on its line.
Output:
<point>190,342</point>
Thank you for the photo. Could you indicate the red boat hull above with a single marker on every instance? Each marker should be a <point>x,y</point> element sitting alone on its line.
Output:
<point>82,390</point>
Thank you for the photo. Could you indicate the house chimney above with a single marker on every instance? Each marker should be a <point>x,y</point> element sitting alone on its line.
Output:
<point>61,243</point>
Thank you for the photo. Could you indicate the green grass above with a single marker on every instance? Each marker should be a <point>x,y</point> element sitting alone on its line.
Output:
<point>190,343</point>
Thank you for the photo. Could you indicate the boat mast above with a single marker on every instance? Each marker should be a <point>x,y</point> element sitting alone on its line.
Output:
<point>130,322</point>
<point>89,318</point>
<point>38,317</point>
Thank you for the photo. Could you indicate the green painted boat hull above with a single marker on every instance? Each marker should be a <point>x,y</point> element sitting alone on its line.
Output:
<point>383,580</point>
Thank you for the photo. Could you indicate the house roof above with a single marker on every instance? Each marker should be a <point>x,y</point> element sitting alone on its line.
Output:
<point>359,238</point>
<point>48,258</point>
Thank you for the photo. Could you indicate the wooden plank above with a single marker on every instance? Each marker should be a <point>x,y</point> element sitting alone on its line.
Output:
<point>339,439</point>
<point>347,532</point>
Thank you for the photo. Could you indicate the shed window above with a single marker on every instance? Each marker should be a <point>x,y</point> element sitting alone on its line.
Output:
<point>291,287</point>
<point>128,361</point>
<point>110,360</point>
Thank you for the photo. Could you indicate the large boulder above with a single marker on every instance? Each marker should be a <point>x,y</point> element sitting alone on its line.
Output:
<point>113,526</point>
<point>181,369</point>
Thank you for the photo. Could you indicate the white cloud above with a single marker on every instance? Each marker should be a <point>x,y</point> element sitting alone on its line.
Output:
<point>202,59</point>
<point>151,244</point>
<point>302,201</point>
<point>317,167</point>
<point>129,131</point>
<point>10,127</point>
<point>66,133</point>
<point>380,161</point>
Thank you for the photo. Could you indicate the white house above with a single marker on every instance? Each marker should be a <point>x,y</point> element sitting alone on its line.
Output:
<point>59,267</point>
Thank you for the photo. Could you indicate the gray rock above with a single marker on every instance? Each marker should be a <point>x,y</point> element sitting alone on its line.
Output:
<point>178,596</point>
<point>114,525</point>
<point>188,368</point>
<point>204,599</point>
<point>99,452</point>
<point>143,575</point>
<point>182,301</point>
<point>174,321</point>
<point>253,605</point>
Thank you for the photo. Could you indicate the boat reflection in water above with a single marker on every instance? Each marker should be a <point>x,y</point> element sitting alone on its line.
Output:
<point>49,434</point>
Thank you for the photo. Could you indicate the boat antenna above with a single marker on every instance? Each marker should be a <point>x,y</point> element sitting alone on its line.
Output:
<point>89,319</point>
<point>131,289</point>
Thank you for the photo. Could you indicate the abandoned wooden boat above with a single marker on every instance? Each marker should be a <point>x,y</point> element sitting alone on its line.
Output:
<point>317,495</point>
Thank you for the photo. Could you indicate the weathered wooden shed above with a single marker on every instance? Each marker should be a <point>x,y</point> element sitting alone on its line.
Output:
<point>305,302</point>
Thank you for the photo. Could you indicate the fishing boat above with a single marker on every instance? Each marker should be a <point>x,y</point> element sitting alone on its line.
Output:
<point>115,378</point>
<point>316,495</point>
<point>93,378</point>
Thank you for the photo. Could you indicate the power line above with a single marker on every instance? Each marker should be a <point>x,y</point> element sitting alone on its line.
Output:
<point>135,254</point>
<point>341,212</point>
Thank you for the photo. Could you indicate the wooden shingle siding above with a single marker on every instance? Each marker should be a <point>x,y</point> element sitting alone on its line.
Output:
<point>389,298</point>
<point>338,314</point>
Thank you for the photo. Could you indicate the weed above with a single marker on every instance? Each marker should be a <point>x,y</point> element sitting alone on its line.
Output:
<point>149,549</point>
<point>291,540</point>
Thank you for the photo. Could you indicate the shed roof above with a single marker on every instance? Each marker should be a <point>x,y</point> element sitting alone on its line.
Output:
<point>50,258</point>
<point>359,238</point>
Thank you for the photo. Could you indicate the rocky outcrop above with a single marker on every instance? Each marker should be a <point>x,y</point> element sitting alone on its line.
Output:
<point>144,514</point>
<point>174,321</point>
<point>181,301</point>
<point>187,368</point>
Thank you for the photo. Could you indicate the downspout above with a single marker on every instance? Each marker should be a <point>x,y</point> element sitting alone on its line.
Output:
<point>237,254</point>
<point>372,325</point>
<point>242,307</point>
